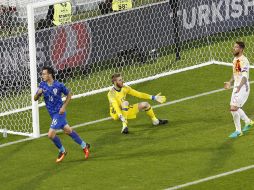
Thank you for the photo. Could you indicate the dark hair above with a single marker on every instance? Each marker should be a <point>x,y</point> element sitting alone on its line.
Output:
<point>241,44</point>
<point>50,70</point>
<point>114,76</point>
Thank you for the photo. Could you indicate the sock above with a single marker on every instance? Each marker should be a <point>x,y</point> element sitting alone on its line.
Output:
<point>62,149</point>
<point>77,139</point>
<point>236,118</point>
<point>151,114</point>
<point>243,116</point>
<point>124,124</point>
<point>58,144</point>
<point>125,115</point>
<point>83,145</point>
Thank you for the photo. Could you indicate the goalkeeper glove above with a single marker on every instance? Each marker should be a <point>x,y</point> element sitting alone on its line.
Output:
<point>159,98</point>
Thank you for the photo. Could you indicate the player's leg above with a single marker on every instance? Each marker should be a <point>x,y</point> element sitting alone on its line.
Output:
<point>145,106</point>
<point>243,96</point>
<point>85,146</point>
<point>243,116</point>
<point>234,106</point>
<point>149,111</point>
<point>125,109</point>
<point>248,122</point>
<point>55,125</point>
<point>56,140</point>
<point>236,119</point>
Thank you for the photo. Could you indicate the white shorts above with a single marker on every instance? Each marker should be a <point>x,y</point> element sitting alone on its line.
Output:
<point>239,99</point>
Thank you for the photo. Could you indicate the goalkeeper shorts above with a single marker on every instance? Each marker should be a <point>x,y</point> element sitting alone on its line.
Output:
<point>131,114</point>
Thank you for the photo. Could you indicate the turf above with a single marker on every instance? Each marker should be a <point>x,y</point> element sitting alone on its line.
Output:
<point>234,181</point>
<point>193,145</point>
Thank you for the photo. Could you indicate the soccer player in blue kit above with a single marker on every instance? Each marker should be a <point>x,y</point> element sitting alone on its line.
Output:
<point>52,91</point>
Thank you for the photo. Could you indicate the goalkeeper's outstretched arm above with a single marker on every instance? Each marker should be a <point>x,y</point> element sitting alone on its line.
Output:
<point>158,97</point>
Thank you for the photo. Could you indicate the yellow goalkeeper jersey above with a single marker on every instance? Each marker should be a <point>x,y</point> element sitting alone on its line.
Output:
<point>116,98</point>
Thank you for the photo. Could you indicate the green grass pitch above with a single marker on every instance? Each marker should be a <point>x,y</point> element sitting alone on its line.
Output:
<point>192,146</point>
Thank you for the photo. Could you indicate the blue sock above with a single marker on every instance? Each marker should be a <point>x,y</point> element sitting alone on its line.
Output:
<point>83,145</point>
<point>77,139</point>
<point>58,144</point>
<point>62,149</point>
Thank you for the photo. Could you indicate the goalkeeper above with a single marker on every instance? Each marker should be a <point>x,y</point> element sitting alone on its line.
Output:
<point>121,109</point>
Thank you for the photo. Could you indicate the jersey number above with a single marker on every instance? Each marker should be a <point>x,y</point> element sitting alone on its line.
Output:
<point>51,98</point>
<point>54,122</point>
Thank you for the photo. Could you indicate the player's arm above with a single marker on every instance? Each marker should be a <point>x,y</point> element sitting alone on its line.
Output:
<point>158,97</point>
<point>229,83</point>
<point>38,94</point>
<point>118,111</point>
<point>139,94</point>
<point>244,69</point>
<point>243,81</point>
<point>68,95</point>
<point>116,106</point>
<point>66,102</point>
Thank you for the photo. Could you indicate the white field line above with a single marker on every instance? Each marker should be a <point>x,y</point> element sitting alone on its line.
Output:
<point>108,118</point>
<point>156,106</point>
<point>211,178</point>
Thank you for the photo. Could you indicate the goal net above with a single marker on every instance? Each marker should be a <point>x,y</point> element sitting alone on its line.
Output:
<point>152,39</point>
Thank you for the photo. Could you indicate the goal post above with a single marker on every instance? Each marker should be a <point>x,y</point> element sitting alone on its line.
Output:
<point>33,69</point>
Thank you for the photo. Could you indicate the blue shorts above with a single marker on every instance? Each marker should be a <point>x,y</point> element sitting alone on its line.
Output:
<point>58,121</point>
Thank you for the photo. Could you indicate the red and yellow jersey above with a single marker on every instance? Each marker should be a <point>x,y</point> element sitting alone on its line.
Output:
<point>240,69</point>
<point>116,98</point>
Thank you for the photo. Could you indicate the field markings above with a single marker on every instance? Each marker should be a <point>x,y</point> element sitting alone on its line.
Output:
<point>211,177</point>
<point>157,106</point>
